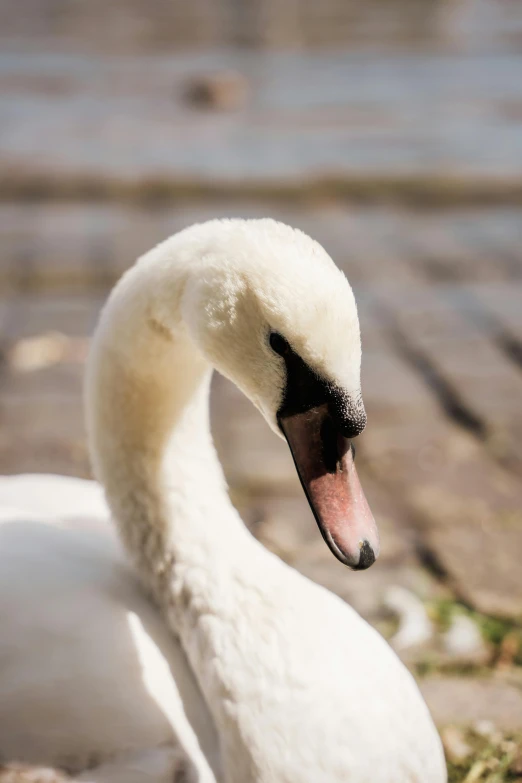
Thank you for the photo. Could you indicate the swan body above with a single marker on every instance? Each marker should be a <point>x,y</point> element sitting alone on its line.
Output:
<point>247,671</point>
<point>88,671</point>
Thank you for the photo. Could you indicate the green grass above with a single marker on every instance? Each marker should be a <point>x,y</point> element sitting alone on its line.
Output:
<point>494,759</point>
<point>498,633</point>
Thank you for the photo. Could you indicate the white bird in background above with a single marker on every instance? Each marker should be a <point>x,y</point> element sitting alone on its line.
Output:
<point>240,669</point>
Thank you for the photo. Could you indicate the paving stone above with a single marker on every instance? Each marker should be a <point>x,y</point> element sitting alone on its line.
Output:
<point>453,490</point>
<point>467,700</point>
<point>63,379</point>
<point>487,382</point>
<point>28,315</point>
<point>46,436</point>
<point>479,548</point>
<point>3,320</point>
<point>253,456</point>
<point>503,302</point>
<point>59,246</point>
<point>472,245</point>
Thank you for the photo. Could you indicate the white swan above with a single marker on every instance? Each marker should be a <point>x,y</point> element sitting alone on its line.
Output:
<point>290,685</point>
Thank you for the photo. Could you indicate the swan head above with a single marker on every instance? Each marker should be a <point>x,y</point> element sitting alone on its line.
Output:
<point>269,309</point>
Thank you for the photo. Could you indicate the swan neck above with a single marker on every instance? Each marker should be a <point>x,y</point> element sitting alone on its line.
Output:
<point>147,404</point>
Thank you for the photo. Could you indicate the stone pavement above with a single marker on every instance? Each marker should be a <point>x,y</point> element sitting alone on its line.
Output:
<point>439,295</point>
<point>104,152</point>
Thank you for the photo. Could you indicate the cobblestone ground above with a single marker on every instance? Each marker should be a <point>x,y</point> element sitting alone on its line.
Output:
<point>113,138</point>
<point>439,295</point>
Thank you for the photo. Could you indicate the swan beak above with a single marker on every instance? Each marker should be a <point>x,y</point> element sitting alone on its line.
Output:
<point>324,459</point>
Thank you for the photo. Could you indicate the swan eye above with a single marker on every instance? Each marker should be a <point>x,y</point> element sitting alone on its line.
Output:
<point>278,344</point>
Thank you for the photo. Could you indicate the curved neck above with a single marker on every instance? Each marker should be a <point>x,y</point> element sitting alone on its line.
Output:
<point>148,422</point>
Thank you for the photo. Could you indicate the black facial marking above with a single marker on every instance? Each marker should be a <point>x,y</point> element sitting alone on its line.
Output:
<point>304,389</point>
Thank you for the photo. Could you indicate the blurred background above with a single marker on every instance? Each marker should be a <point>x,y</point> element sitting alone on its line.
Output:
<point>391,131</point>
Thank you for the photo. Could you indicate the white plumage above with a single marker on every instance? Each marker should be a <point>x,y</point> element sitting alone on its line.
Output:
<point>247,672</point>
